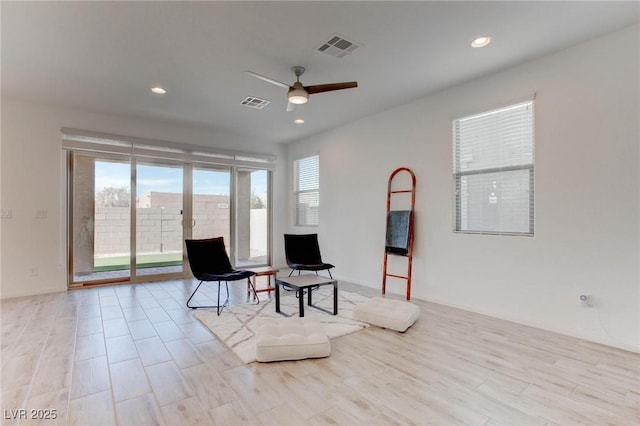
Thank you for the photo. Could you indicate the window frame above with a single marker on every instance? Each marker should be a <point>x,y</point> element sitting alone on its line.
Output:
<point>458,174</point>
<point>133,150</point>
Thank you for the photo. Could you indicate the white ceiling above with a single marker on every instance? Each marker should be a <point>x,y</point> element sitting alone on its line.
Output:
<point>104,56</point>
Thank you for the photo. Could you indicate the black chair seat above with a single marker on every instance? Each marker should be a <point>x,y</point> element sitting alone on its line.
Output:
<point>233,275</point>
<point>314,267</point>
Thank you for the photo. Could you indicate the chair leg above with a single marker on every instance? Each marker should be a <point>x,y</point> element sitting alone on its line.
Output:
<point>226,302</point>
<point>191,297</point>
<point>218,306</point>
<point>329,271</point>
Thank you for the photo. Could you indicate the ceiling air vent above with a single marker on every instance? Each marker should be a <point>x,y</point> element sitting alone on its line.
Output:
<point>256,103</point>
<point>338,46</point>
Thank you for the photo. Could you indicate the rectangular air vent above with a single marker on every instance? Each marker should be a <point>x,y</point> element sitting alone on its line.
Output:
<point>256,103</point>
<point>338,46</point>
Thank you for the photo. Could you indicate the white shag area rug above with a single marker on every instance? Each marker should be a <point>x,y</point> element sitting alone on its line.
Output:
<point>236,325</point>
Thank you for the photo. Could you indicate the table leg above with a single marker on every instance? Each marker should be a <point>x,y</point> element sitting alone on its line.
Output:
<point>335,299</point>
<point>301,301</point>
<point>277,297</point>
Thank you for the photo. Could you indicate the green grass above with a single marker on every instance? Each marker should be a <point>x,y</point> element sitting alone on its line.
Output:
<point>119,263</point>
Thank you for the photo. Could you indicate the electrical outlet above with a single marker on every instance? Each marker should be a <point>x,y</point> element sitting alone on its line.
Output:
<point>585,300</point>
<point>41,214</point>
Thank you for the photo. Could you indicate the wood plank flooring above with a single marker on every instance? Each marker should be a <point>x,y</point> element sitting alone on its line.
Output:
<point>135,355</point>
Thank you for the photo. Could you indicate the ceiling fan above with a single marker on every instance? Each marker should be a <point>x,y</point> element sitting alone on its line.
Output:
<point>299,94</point>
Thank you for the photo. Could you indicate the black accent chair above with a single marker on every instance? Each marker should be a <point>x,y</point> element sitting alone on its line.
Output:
<point>209,261</point>
<point>303,253</point>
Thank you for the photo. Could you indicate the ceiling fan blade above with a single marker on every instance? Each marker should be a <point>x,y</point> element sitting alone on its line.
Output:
<point>267,79</point>
<point>319,88</point>
<point>290,106</point>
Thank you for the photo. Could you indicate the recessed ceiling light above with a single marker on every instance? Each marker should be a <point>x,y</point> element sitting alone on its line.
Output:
<point>481,41</point>
<point>158,90</point>
<point>298,121</point>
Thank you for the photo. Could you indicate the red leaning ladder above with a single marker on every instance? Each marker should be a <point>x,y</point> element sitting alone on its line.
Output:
<point>409,251</point>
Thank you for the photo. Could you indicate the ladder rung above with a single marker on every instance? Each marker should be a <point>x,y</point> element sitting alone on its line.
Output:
<point>402,190</point>
<point>397,276</point>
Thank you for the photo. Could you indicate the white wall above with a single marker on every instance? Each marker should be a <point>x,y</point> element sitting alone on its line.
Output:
<point>33,177</point>
<point>587,196</point>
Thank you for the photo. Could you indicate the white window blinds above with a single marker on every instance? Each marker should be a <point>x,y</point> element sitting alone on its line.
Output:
<point>307,190</point>
<point>493,171</point>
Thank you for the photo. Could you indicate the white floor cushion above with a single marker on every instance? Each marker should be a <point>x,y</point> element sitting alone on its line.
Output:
<point>280,339</point>
<point>388,313</point>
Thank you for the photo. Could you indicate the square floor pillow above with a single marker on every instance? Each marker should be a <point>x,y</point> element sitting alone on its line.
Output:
<point>387,313</point>
<point>280,339</point>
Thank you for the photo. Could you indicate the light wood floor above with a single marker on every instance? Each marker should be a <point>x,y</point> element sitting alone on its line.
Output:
<point>134,355</point>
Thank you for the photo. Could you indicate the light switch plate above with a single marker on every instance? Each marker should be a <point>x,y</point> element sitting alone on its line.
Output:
<point>6,213</point>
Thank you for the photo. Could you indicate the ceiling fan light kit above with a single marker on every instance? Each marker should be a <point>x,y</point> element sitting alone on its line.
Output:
<point>297,95</point>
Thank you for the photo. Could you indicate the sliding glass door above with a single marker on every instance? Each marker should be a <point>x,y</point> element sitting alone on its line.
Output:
<point>128,217</point>
<point>100,218</point>
<point>159,219</point>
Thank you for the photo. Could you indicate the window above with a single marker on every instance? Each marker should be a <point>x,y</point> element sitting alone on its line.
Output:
<point>493,171</point>
<point>307,190</point>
